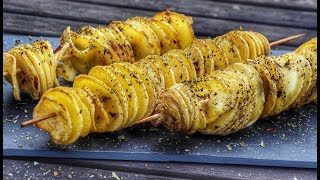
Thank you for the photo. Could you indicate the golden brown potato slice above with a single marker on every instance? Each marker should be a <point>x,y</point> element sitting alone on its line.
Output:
<point>219,57</point>
<point>309,51</point>
<point>10,66</point>
<point>86,51</point>
<point>130,91</point>
<point>28,78</point>
<point>240,43</point>
<point>170,32</point>
<point>28,55</point>
<point>140,25</point>
<point>87,101</point>
<point>165,42</point>
<point>109,100</point>
<point>270,89</point>
<point>186,61</point>
<point>83,110</point>
<point>58,127</point>
<point>245,105</point>
<point>180,71</point>
<point>277,77</point>
<point>251,44</point>
<point>139,41</point>
<point>293,76</point>
<point>123,42</point>
<point>265,42</point>
<point>228,48</point>
<point>103,74</point>
<point>156,73</point>
<point>45,64</point>
<point>150,87</point>
<point>69,102</point>
<point>104,39</point>
<point>112,40</point>
<point>207,56</point>
<point>194,53</point>
<point>256,42</point>
<point>140,88</point>
<point>168,72</point>
<point>259,43</point>
<point>181,23</point>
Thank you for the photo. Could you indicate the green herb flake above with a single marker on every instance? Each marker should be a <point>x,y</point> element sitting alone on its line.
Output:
<point>229,147</point>
<point>115,176</point>
<point>122,137</point>
<point>242,144</point>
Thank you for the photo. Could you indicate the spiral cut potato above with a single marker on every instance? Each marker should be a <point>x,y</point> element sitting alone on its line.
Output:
<point>117,96</point>
<point>241,94</point>
<point>31,68</point>
<point>127,41</point>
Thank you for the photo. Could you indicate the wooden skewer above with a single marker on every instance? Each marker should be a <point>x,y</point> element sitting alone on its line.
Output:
<point>47,116</point>
<point>281,41</point>
<point>284,40</point>
<point>38,119</point>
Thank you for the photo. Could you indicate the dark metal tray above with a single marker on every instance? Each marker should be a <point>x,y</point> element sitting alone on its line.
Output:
<point>285,140</point>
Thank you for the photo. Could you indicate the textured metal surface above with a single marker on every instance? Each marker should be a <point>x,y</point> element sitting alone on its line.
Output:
<point>286,140</point>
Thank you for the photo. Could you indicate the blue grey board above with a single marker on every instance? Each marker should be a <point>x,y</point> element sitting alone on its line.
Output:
<point>287,140</point>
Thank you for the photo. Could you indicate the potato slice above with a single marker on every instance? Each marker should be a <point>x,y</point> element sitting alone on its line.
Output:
<point>228,48</point>
<point>103,38</point>
<point>307,73</point>
<point>219,57</point>
<point>109,100</point>
<point>27,54</point>
<point>250,42</point>
<point>181,23</point>
<point>140,25</point>
<point>186,61</point>
<point>150,87</point>
<point>131,93</point>
<point>103,74</point>
<point>258,98</point>
<point>240,43</point>
<point>259,43</point>
<point>70,104</point>
<point>168,72</point>
<point>180,71</point>
<point>28,78</point>
<point>83,110</point>
<point>231,86</point>
<point>140,88</point>
<point>256,42</point>
<point>165,44</point>
<point>37,49</point>
<point>207,56</point>
<point>309,51</point>
<point>277,77</point>
<point>265,42</point>
<point>87,101</point>
<point>87,51</point>
<point>269,86</point>
<point>158,77</point>
<point>58,127</point>
<point>111,39</point>
<point>139,41</point>
<point>293,77</point>
<point>194,53</point>
<point>10,66</point>
<point>170,32</point>
<point>123,42</point>
<point>245,106</point>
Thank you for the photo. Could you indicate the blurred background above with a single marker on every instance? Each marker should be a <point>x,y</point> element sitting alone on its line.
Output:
<point>274,18</point>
